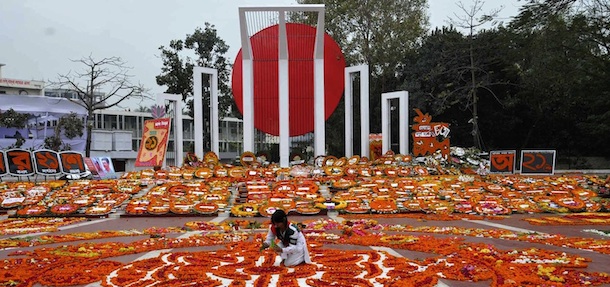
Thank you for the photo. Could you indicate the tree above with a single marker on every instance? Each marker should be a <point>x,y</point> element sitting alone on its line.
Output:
<point>472,20</point>
<point>177,72</point>
<point>72,126</point>
<point>564,66</point>
<point>143,109</point>
<point>12,119</point>
<point>454,69</point>
<point>381,34</point>
<point>107,74</point>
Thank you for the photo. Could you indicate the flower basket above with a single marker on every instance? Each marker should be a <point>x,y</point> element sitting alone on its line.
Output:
<point>245,210</point>
<point>32,210</point>
<point>384,205</point>
<point>205,208</point>
<point>64,209</point>
<point>267,210</point>
<point>307,210</point>
<point>155,209</point>
<point>99,210</point>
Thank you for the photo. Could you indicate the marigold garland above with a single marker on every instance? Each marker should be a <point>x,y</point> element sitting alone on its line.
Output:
<point>336,265</point>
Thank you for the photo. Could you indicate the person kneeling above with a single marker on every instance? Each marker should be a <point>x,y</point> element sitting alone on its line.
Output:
<point>292,247</point>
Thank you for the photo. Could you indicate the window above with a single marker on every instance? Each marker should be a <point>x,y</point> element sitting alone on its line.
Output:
<point>131,123</point>
<point>232,130</point>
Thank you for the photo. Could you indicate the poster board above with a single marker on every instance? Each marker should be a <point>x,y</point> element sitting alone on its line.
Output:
<point>3,168</point>
<point>154,142</point>
<point>104,167</point>
<point>92,168</point>
<point>502,161</point>
<point>538,161</point>
<point>72,163</point>
<point>46,162</point>
<point>19,162</point>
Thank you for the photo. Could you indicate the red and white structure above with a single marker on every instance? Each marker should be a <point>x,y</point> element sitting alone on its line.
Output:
<point>283,78</point>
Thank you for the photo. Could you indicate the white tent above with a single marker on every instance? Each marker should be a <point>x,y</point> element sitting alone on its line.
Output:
<point>40,105</point>
<point>42,109</point>
<point>42,119</point>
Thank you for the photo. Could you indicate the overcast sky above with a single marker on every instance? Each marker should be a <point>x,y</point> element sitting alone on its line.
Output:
<point>39,37</point>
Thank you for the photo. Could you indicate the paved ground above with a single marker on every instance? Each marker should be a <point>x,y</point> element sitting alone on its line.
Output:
<point>514,223</point>
<point>599,261</point>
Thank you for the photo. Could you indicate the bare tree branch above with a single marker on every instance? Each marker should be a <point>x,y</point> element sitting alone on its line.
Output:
<point>102,84</point>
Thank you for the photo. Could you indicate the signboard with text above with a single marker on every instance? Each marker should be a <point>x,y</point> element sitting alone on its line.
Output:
<point>72,162</point>
<point>19,162</point>
<point>3,168</point>
<point>46,162</point>
<point>538,161</point>
<point>154,142</point>
<point>502,161</point>
<point>429,137</point>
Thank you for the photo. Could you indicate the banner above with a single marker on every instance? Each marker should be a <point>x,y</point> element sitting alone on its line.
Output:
<point>537,161</point>
<point>502,161</point>
<point>72,162</point>
<point>154,142</point>
<point>19,162</point>
<point>375,146</point>
<point>104,167</point>
<point>47,162</point>
<point>91,167</point>
<point>3,169</point>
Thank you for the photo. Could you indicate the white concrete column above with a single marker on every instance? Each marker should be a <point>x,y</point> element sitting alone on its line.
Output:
<point>403,120</point>
<point>176,101</point>
<point>364,109</point>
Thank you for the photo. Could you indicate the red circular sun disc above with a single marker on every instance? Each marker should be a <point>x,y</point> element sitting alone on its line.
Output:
<point>301,40</point>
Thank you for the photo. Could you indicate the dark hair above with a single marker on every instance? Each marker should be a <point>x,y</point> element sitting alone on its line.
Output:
<point>279,216</point>
<point>105,159</point>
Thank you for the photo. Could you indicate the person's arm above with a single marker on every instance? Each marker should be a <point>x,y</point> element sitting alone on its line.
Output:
<point>269,239</point>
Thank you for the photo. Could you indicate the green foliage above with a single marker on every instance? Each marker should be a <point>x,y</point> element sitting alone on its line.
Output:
<point>209,51</point>
<point>378,33</point>
<point>72,126</point>
<point>53,143</point>
<point>177,71</point>
<point>564,66</point>
<point>382,34</point>
<point>12,119</point>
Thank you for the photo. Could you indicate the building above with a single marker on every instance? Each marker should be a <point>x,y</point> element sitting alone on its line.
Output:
<point>20,87</point>
<point>71,94</point>
<point>118,134</point>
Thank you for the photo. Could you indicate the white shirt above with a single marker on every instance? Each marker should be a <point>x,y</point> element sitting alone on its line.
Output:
<point>293,254</point>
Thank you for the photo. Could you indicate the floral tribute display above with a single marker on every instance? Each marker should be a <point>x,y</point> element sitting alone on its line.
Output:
<point>358,190</point>
<point>391,184</point>
<point>34,225</point>
<point>572,219</point>
<point>241,263</point>
<point>428,136</point>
